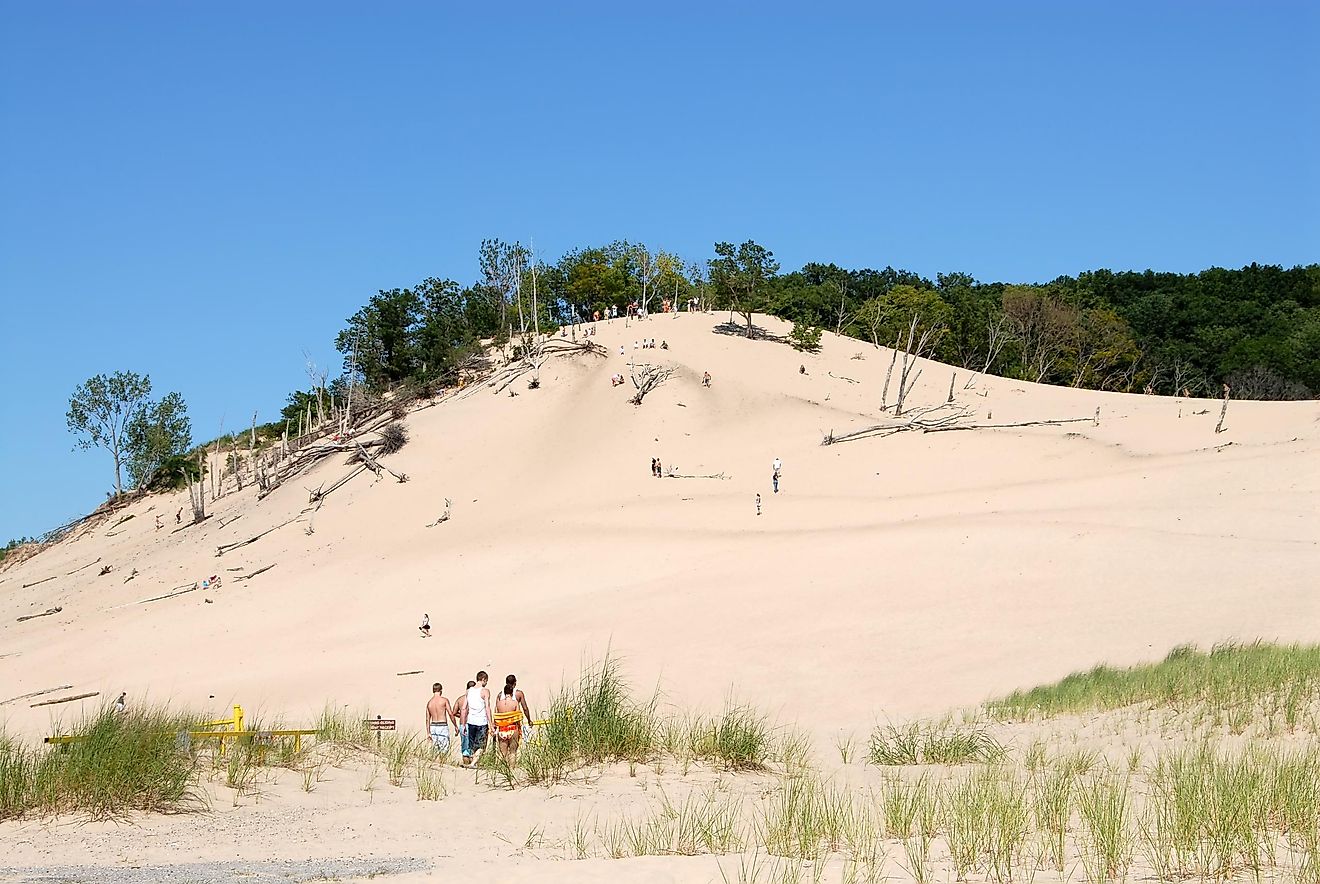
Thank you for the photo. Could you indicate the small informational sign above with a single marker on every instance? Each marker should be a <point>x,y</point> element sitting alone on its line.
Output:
<point>380,724</point>
<point>263,738</point>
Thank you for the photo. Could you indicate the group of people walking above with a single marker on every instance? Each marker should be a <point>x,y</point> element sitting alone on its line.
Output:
<point>476,717</point>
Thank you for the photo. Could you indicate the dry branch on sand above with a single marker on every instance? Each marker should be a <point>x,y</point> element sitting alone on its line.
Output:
<point>942,419</point>
<point>45,579</point>
<point>530,360</point>
<point>65,699</point>
<point>255,573</point>
<point>31,694</point>
<point>81,567</point>
<point>45,613</point>
<point>676,475</point>
<point>228,547</point>
<point>647,377</point>
<point>445,516</point>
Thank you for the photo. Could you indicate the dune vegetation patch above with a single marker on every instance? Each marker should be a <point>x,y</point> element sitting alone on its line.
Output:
<point>1276,681</point>
<point>117,763</point>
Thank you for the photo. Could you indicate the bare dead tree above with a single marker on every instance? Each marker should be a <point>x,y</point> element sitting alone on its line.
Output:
<point>1223,410</point>
<point>197,493</point>
<point>952,380</point>
<point>916,349</point>
<point>997,334</point>
<point>884,394</point>
<point>646,378</point>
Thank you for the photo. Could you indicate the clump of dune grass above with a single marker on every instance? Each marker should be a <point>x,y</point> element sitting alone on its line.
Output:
<point>595,721</point>
<point>117,763</point>
<point>708,821</point>
<point>921,742</point>
<point>739,739</point>
<point>1282,679</point>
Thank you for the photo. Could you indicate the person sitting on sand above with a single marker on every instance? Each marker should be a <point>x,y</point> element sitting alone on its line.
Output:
<point>705,379</point>
<point>121,704</point>
<point>476,713</point>
<point>425,628</point>
<point>439,715</point>
<point>508,722</point>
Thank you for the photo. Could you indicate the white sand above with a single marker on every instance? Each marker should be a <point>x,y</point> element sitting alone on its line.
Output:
<point>891,577</point>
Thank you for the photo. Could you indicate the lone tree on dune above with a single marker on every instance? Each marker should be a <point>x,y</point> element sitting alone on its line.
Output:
<point>741,277</point>
<point>114,413</point>
<point>100,410</point>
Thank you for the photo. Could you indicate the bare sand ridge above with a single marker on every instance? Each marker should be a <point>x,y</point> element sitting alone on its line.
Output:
<point>890,577</point>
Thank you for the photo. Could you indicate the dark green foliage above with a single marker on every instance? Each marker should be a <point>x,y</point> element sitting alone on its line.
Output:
<point>158,431</point>
<point>175,472</point>
<point>805,337</point>
<point>743,279</point>
<point>101,409</point>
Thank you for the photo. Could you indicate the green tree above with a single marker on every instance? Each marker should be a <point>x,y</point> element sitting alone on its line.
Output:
<point>741,278</point>
<point>157,431</point>
<point>100,411</point>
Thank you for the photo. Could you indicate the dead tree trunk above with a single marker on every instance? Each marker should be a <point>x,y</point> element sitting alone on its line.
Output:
<point>1223,410</point>
<point>646,378</point>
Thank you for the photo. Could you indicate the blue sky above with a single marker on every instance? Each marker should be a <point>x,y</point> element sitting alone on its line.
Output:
<point>202,191</point>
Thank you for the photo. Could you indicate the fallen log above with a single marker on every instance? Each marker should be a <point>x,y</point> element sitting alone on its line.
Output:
<point>45,613</point>
<point>411,672</point>
<point>65,699</point>
<point>178,590</point>
<point>227,547</point>
<point>81,567</point>
<point>254,573</point>
<point>46,579</point>
<point>29,696</point>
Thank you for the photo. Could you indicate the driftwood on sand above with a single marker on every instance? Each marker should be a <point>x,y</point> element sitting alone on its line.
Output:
<point>81,567</point>
<point>227,547</point>
<point>45,613</point>
<point>445,516</point>
<point>944,419</point>
<point>255,573</point>
<point>31,694</point>
<point>65,699</point>
<point>45,579</point>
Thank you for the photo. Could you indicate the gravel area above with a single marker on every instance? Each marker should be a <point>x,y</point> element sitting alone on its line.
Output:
<point>263,872</point>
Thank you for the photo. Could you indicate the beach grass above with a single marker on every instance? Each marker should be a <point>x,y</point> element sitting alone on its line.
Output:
<point>1263,679</point>
<point>926,742</point>
<point>117,763</point>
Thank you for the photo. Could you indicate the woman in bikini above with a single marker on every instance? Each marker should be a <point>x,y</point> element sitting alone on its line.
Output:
<point>508,721</point>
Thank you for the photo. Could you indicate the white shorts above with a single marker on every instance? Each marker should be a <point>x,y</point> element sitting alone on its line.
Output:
<point>440,736</point>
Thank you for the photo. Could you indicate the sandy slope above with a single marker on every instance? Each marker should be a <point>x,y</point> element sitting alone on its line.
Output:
<point>891,577</point>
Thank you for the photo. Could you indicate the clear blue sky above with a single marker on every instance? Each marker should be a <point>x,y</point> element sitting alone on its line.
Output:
<point>201,191</point>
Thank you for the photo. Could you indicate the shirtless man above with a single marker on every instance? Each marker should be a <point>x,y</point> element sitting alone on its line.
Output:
<point>476,719</point>
<point>439,717</point>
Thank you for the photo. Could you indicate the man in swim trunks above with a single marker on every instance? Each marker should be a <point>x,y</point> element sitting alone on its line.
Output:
<point>476,714</point>
<point>439,717</point>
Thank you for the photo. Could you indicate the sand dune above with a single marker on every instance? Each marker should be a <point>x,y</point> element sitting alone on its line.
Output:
<point>891,577</point>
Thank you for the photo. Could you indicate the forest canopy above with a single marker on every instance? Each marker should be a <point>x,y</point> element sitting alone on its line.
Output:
<point>1256,328</point>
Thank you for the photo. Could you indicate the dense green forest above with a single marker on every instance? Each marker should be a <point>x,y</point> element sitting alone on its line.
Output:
<point>1256,329</point>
